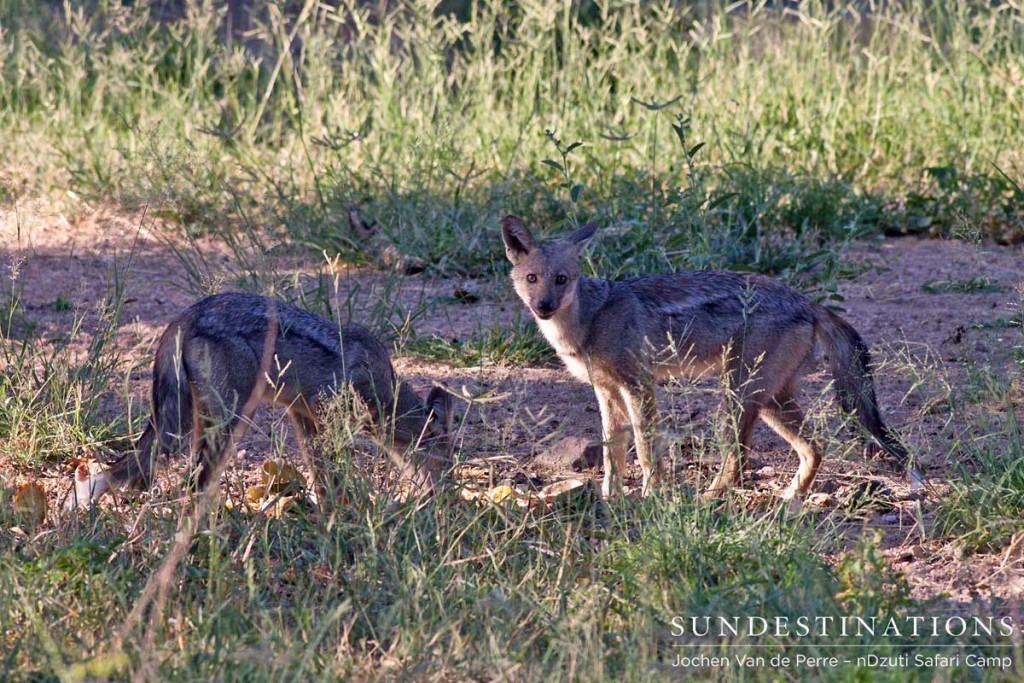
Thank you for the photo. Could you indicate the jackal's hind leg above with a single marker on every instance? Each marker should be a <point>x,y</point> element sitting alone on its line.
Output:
<point>306,430</point>
<point>212,441</point>
<point>784,416</point>
<point>218,426</point>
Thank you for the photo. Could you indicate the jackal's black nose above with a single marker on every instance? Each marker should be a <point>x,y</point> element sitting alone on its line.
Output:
<point>545,309</point>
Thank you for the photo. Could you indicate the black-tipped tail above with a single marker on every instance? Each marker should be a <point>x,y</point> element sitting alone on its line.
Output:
<point>850,364</point>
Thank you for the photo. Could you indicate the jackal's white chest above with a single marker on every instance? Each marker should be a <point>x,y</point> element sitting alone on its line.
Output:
<point>566,348</point>
<point>578,367</point>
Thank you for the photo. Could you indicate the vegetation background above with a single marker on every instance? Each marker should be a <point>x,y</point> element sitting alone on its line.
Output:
<point>769,136</point>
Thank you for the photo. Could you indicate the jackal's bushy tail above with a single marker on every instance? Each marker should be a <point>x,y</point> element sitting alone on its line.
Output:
<point>169,422</point>
<point>850,363</point>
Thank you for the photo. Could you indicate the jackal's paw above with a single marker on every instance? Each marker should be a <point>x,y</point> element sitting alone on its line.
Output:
<point>794,504</point>
<point>613,489</point>
<point>721,485</point>
<point>714,493</point>
<point>916,479</point>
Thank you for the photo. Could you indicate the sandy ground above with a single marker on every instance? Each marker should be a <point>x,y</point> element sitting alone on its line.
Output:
<point>928,347</point>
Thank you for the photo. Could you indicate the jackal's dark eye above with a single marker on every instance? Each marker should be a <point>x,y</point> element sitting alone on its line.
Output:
<point>561,280</point>
<point>531,278</point>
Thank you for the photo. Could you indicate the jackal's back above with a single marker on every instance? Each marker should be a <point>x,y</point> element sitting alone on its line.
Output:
<point>689,318</point>
<point>310,354</point>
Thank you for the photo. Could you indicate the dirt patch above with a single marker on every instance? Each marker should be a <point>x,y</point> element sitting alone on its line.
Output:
<point>932,311</point>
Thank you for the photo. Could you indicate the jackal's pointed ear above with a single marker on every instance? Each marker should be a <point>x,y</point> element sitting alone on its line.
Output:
<point>518,239</point>
<point>580,237</point>
<point>439,407</point>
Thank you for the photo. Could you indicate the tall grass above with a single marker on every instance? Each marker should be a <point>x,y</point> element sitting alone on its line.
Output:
<point>819,116</point>
<point>985,502</point>
<point>437,592</point>
<point>53,384</point>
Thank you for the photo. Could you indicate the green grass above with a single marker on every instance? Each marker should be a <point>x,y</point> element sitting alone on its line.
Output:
<point>825,123</point>
<point>1000,323</point>
<point>519,343</point>
<point>988,498</point>
<point>974,285</point>
<point>698,135</point>
<point>53,386</point>
<point>443,591</point>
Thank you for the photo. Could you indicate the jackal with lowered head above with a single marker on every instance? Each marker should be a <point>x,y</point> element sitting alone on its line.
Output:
<point>760,335</point>
<point>227,353</point>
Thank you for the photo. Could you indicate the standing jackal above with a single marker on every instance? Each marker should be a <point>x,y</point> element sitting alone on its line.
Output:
<point>228,352</point>
<point>623,337</point>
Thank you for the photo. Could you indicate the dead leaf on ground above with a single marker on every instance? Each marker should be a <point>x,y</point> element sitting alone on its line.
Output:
<point>283,487</point>
<point>565,490</point>
<point>281,477</point>
<point>30,503</point>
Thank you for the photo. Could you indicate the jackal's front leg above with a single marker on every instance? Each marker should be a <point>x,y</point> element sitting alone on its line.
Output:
<point>615,435</point>
<point>641,404</point>
<point>306,429</point>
